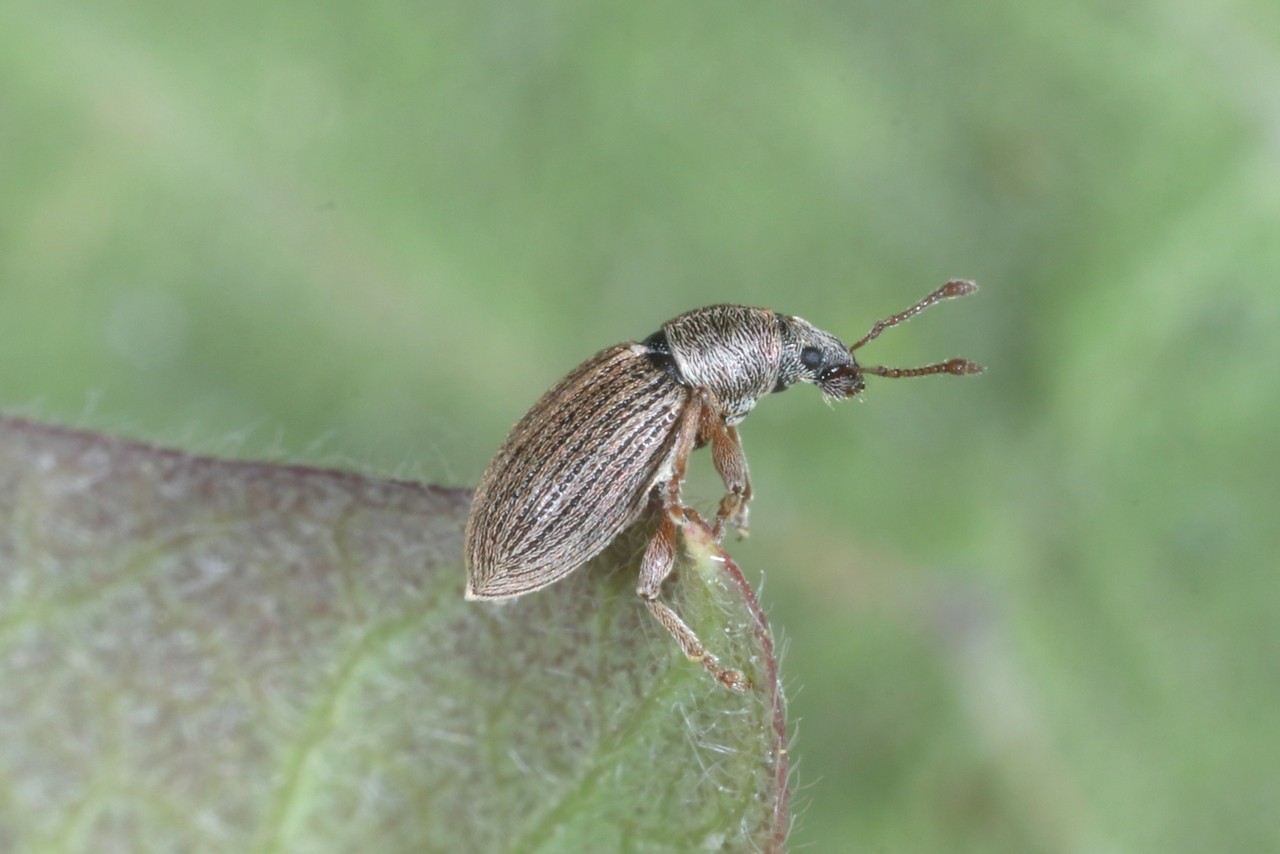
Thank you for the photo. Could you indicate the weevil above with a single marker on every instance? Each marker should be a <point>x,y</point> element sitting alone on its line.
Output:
<point>615,434</point>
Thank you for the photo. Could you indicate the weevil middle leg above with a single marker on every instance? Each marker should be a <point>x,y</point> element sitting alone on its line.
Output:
<point>731,463</point>
<point>660,555</point>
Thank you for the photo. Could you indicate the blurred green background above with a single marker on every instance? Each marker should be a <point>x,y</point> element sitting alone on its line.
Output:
<point>1032,611</point>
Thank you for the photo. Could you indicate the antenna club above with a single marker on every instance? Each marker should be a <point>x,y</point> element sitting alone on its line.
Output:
<point>963,367</point>
<point>957,288</point>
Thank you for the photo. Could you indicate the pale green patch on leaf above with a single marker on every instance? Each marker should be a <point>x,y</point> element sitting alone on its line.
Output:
<point>199,654</point>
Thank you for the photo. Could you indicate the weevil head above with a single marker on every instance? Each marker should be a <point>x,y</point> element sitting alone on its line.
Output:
<point>810,355</point>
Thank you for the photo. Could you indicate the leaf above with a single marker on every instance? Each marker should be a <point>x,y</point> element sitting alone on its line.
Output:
<point>199,654</point>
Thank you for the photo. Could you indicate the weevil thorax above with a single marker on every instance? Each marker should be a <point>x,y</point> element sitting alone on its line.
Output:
<point>733,350</point>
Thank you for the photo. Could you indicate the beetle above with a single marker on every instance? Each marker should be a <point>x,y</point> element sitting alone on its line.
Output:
<point>615,434</point>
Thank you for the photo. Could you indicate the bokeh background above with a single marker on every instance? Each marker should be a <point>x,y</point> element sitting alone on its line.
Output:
<point>1032,611</point>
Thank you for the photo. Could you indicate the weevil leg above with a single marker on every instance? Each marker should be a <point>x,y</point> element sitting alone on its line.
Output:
<point>659,558</point>
<point>660,555</point>
<point>731,463</point>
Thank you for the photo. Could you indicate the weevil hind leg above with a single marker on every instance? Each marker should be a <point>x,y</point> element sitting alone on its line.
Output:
<point>660,555</point>
<point>659,558</point>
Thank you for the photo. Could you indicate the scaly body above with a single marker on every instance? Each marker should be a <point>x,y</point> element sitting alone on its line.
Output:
<point>581,466</point>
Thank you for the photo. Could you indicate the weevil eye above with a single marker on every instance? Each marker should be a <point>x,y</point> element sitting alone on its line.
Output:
<point>811,358</point>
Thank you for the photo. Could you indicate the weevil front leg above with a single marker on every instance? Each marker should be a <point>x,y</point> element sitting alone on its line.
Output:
<point>660,558</point>
<point>731,463</point>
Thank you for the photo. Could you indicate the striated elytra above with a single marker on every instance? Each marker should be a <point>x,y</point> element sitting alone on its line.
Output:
<point>615,434</point>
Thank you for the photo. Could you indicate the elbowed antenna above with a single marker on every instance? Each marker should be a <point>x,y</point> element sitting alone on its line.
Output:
<point>956,367</point>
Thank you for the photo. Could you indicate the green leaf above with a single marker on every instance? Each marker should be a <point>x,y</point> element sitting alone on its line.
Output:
<point>199,654</point>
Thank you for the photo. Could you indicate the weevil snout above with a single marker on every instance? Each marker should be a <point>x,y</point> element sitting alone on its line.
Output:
<point>842,381</point>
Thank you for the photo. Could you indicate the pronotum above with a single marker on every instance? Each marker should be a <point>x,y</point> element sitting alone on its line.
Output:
<point>582,465</point>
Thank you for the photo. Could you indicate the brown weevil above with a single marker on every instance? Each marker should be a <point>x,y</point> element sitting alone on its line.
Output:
<point>581,466</point>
